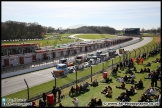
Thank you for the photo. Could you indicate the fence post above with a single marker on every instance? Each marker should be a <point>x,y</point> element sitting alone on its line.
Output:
<point>112,63</point>
<point>151,47</point>
<point>154,46</point>
<point>144,49</point>
<point>135,52</point>
<point>27,88</point>
<point>129,55</point>
<point>91,73</point>
<point>54,78</point>
<point>139,52</point>
<point>147,49</point>
<point>102,66</point>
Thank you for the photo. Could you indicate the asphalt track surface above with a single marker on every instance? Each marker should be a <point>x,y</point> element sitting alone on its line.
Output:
<point>16,83</point>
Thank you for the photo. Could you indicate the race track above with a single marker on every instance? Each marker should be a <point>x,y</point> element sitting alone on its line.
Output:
<point>14,84</point>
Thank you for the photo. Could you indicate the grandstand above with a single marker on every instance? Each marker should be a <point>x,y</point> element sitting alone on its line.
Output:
<point>132,31</point>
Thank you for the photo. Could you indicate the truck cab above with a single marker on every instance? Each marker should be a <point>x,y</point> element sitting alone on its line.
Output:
<point>79,62</point>
<point>94,60</point>
<point>61,70</point>
<point>64,61</point>
<point>98,53</point>
<point>104,57</point>
<point>112,52</point>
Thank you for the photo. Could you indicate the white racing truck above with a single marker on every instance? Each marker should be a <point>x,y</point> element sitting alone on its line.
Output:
<point>104,57</point>
<point>94,60</point>
<point>79,62</point>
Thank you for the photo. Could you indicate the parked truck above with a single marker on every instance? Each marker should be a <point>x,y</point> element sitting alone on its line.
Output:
<point>65,61</point>
<point>62,70</point>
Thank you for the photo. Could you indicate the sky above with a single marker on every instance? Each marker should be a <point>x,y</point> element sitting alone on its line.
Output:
<point>118,15</point>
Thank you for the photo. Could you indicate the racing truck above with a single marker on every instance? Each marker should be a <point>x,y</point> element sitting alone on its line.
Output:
<point>79,62</point>
<point>94,60</point>
<point>112,52</point>
<point>62,70</point>
<point>64,61</point>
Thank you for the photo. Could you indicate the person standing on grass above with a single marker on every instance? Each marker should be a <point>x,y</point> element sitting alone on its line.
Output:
<point>159,98</point>
<point>54,93</point>
<point>75,102</point>
<point>44,97</point>
<point>59,93</point>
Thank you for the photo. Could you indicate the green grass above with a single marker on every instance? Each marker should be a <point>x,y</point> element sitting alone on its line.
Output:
<point>149,34</point>
<point>62,81</point>
<point>66,34</point>
<point>44,42</point>
<point>95,36</point>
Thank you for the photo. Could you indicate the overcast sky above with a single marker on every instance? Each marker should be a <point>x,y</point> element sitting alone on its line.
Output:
<point>118,15</point>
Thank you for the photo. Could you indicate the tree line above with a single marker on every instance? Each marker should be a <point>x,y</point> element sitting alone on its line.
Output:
<point>23,30</point>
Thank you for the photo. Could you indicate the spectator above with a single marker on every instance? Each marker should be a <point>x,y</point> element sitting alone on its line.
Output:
<point>155,99</point>
<point>159,97</point>
<point>54,91</point>
<point>92,103</point>
<point>156,78</point>
<point>126,99</point>
<point>104,91</point>
<point>130,81</point>
<point>109,92</point>
<point>148,70</point>
<point>142,99</point>
<point>132,90</point>
<point>127,92</point>
<point>122,86</point>
<point>145,70</point>
<point>141,71</point>
<point>60,105</point>
<point>125,78</point>
<point>148,64</point>
<point>77,88</point>
<point>152,91</point>
<point>120,79</point>
<point>99,102</point>
<point>139,85</point>
<point>72,90</point>
<point>44,97</point>
<point>108,80</point>
<point>121,96</point>
<point>59,94</point>
<point>75,102</point>
<point>134,69</point>
<point>81,87</point>
<point>41,103</point>
<point>153,79</point>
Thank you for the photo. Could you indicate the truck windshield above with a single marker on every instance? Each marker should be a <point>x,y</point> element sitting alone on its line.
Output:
<point>61,67</point>
<point>79,58</point>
